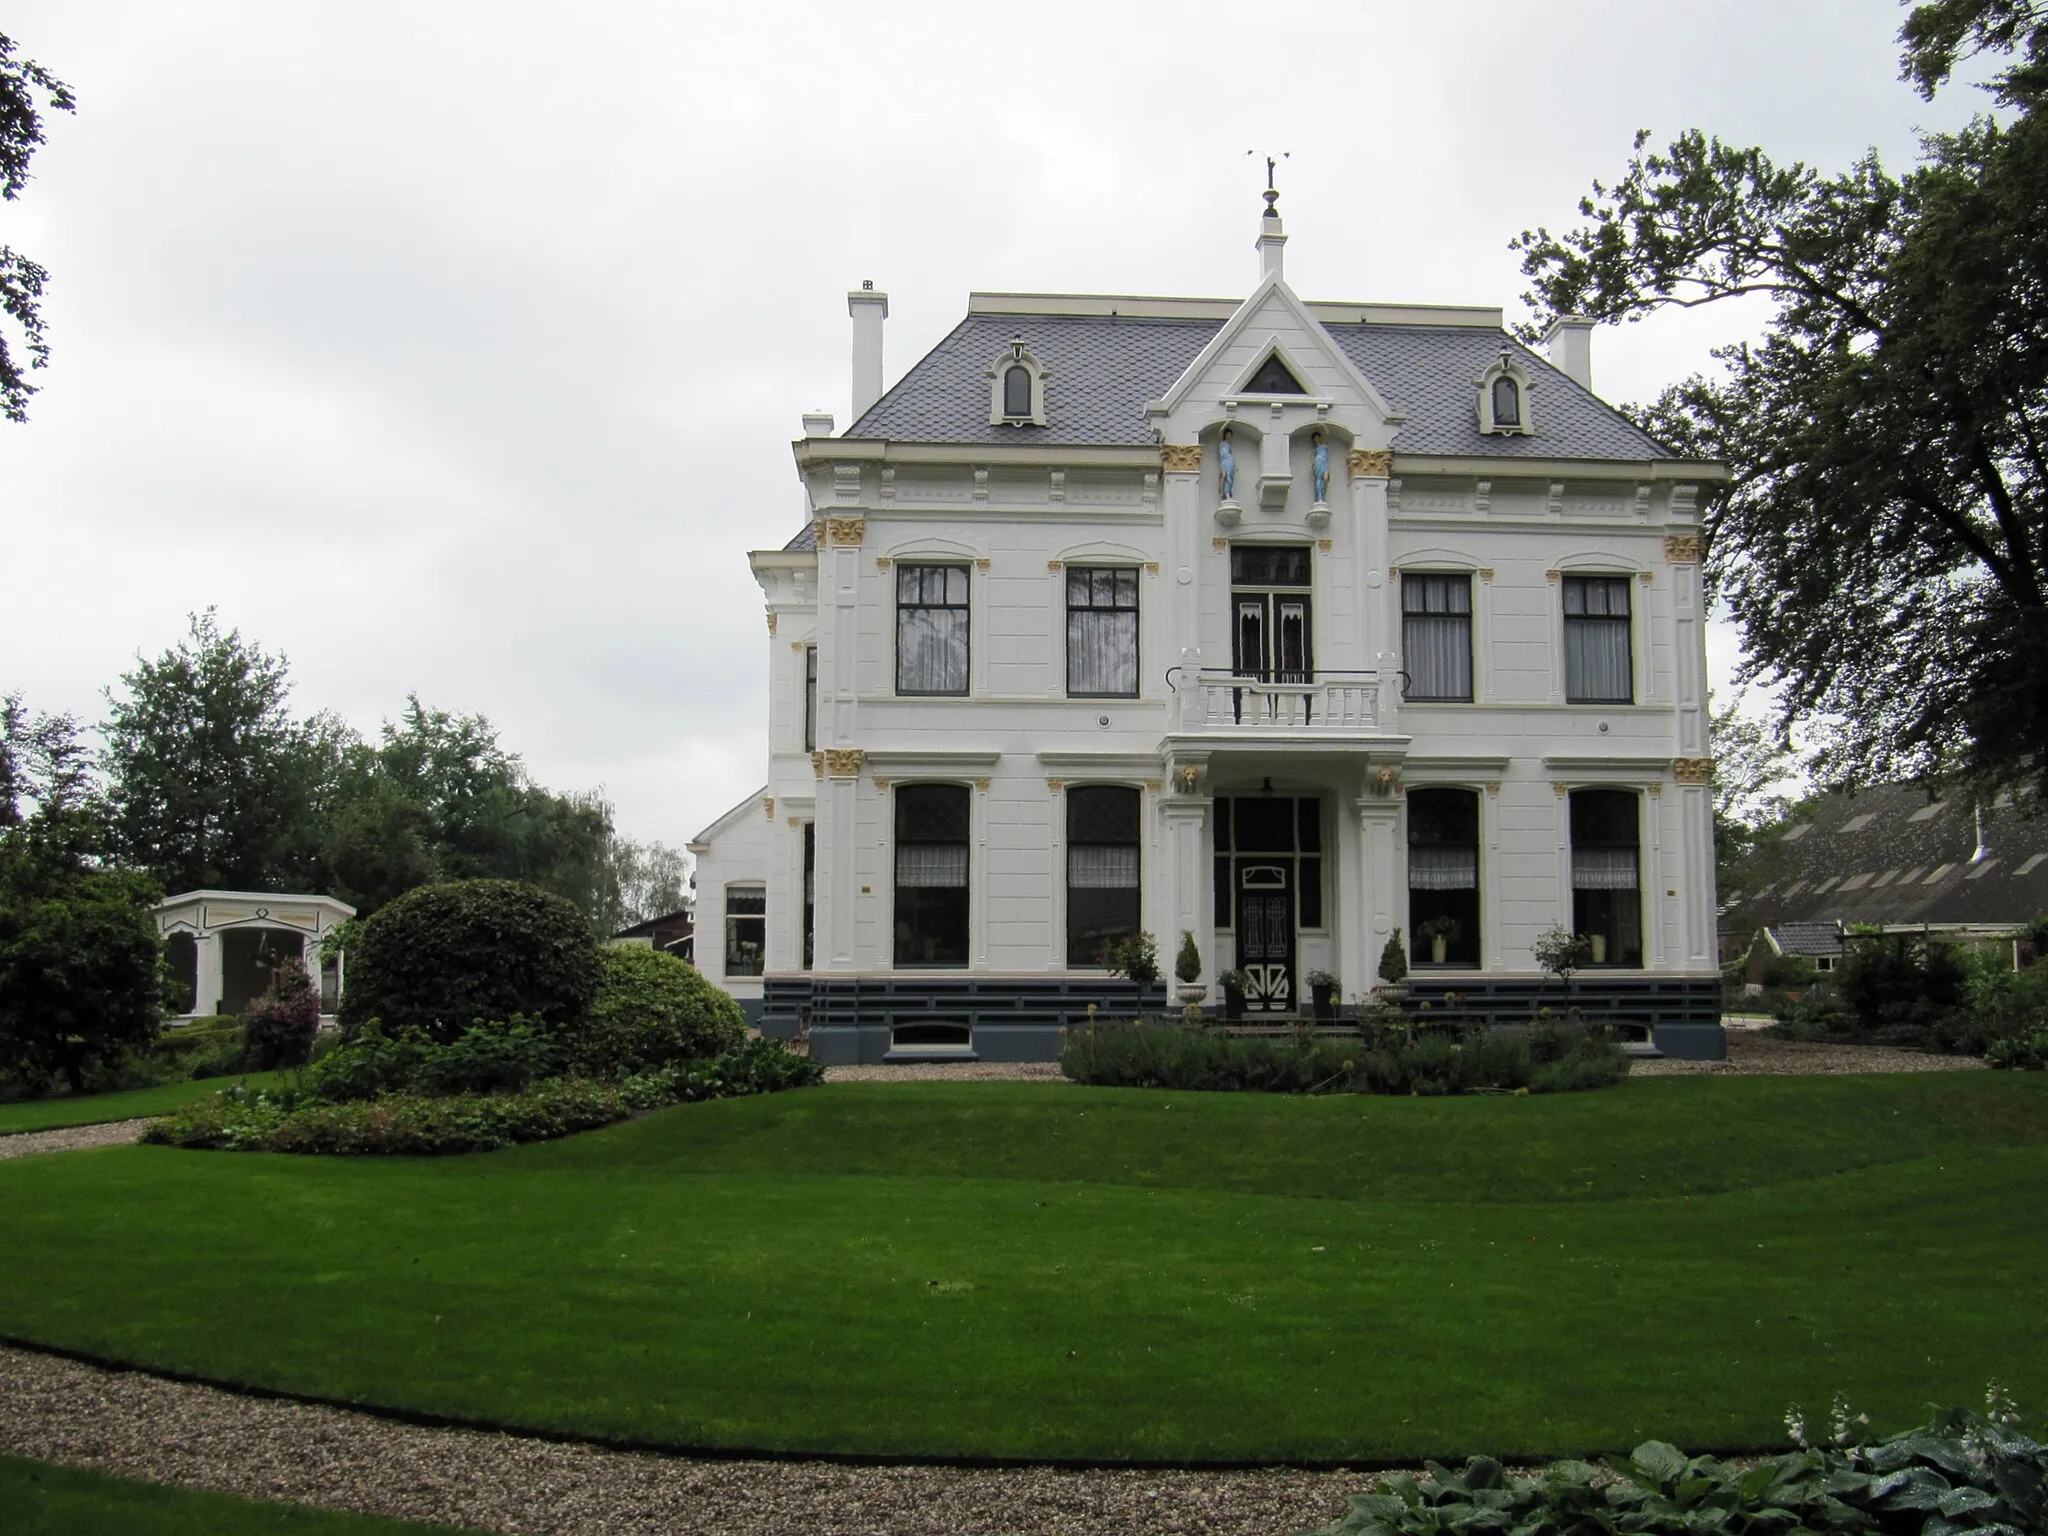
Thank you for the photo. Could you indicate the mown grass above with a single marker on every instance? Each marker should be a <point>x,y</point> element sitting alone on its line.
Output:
<point>130,1104</point>
<point>44,1500</point>
<point>1046,1271</point>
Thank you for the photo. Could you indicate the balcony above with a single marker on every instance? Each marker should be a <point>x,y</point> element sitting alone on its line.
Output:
<point>1216,701</point>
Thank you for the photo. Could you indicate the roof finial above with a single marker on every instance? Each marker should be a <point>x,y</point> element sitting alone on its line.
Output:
<point>1272,193</point>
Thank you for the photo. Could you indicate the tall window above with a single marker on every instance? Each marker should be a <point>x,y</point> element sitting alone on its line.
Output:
<point>1443,876</point>
<point>810,893</point>
<point>746,929</point>
<point>1271,633</point>
<point>1436,637</point>
<point>1102,631</point>
<point>1102,870</point>
<point>931,629</point>
<point>1607,900</point>
<point>1507,402</point>
<point>931,874</point>
<point>810,698</point>
<point>1017,390</point>
<point>1598,665</point>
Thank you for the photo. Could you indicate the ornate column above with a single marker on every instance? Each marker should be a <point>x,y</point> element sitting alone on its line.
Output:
<point>1379,825</point>
<point>1374,584</point>
<point>1187,880</point>
<point>1694,882</point>
<point>206,996</point>
<point>1186,543</point>
<point>838,855</point>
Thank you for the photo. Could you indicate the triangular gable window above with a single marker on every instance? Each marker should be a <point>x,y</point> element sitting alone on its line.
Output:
<point>1273,378</point>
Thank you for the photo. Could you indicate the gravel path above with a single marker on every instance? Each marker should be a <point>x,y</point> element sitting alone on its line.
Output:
<point>950,1072</point>
<point>71,1137</point>
<point>137,1425</point>
<point>1751,1054</point>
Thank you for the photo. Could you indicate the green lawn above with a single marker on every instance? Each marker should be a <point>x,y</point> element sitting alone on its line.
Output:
<point>45,1500</point>
<point>1043,1271</point>
<point>98,1108</point>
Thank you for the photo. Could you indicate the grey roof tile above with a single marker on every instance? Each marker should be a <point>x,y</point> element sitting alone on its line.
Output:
<point>805,541</point>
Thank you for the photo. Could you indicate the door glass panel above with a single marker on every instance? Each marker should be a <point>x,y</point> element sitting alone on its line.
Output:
<point>1251,635</point>
<point>1294,639</point>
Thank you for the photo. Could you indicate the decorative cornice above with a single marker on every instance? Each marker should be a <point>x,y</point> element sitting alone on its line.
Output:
<point>1151,567</point>
<point>881,562</point>
<point>1683,548</point>
<point>1326,545</point>
<point>843,762</point>
<point>1181,458</point>
<point>1559,788</point>
<point>881,783</point>
<point>982,785</point>
<point>1153,786</point>
<point>1486,573</point>
<point>1646,577</point>
<point>1550,575</point>
<point>1055,785</point>
<point>846,530</point>
<point>1493,786</point>
<point>1219,545</point>
<point>817,765</point>
<point>1055,565</point>
<point>768,807</point>
<point>796,645</point>
<point>771,621</point>
<point>981,565</point>
<point>796,821</point>
<point>1693,770</point>
<point>1370,463</point>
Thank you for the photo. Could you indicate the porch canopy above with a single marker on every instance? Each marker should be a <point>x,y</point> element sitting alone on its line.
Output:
<point>223,945</point>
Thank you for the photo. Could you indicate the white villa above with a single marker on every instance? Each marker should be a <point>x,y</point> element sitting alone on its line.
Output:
<point>1287,624</point>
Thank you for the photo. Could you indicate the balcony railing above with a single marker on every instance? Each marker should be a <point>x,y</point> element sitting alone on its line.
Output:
<point>1213,699</point>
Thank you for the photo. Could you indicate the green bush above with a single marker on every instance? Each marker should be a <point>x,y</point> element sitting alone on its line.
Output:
<point>1384,1060</point>
<point>651,1010</point>
<point>489,1058</point>
<point>283,1021</point>
<point>1963,1472</point>
<point>443,957</point>
<point>1902,990</point>
<point>2026,1052</point>
<point>416,1124</point>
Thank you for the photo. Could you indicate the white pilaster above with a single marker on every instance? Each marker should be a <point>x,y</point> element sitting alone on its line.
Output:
<point>1187,880</point>
<point>838,872</point>
<point>206,998</point>
<point>1378,823</point>
<point>1377,598</point>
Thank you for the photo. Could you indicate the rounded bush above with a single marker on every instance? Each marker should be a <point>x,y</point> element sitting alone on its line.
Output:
<point>651,1010</point>
<point>443,957</point>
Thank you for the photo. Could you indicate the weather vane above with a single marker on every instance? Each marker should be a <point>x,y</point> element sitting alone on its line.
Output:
<point>1272,193</point>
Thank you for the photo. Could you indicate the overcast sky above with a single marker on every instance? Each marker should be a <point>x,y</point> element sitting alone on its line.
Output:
<point>458,347</point>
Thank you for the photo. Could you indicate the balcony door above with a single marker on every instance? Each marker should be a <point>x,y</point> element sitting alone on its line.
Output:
<point>1271,629</point>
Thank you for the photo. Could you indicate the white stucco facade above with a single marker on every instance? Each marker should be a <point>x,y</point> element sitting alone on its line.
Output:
<point>1329,728</point>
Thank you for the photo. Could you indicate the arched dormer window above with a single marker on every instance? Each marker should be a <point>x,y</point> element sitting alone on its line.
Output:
<point>1016,388</point>
<point>1504,397</point>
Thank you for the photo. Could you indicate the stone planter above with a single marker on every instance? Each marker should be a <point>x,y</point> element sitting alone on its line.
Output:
<point>1191,993</point>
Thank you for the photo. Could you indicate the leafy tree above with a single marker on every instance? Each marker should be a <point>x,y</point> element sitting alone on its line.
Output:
<point>645,880</point>
<point>23,83</point>
<point>1884,540</point>
<point>211,780</point>
<point>1754,763</point>
<point>43,764</point>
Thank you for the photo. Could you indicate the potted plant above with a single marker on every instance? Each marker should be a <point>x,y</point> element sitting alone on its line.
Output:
<point>1187,970</point>
<point>1234,984</point>
<point>1561,952</point>
<point>1322,986</point>
<point>1135,959</point>
<point>1393,967</point>
<point>1440,933</point>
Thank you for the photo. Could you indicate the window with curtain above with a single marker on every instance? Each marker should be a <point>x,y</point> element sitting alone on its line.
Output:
<point>1102,631</point>
<point>1507,402</point>
<point>1102,870</point>
<point>931,874</point>
<point>746,929</point>
<point>1443,877</point>
<point>1598,665</point>
<point>931,629</point>
<point>1436,637</point>
<point>810,893</point>
<point>1607,898</point>
<point>1017,390</point>
<point>810,698</point>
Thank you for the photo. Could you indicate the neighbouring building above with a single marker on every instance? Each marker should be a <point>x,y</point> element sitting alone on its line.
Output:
<point>222,946</point>
<point>673,933</point>
<point>1290,625</point>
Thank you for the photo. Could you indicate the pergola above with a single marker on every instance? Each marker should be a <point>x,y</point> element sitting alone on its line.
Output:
<point>225,944</point>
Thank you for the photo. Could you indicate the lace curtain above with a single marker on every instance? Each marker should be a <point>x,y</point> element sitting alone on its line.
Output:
<point>1436,868</point>
<point>1095,867</point>
<point>1604,869</point>
<point>931,866</point>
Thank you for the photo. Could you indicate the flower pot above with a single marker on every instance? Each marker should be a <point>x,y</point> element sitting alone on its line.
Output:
<point>1438,947</point>
<point>1599,944</point>
<point>1191,993</point>
<point>1233,1003</point>
<point>1324,1000</point>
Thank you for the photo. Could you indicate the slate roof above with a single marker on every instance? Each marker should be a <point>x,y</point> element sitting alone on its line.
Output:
<point>1101,369</point>
<point>1889,854</point>
<point>1808,938</point>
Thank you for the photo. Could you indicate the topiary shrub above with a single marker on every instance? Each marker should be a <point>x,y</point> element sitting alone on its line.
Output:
<point>283,1021</point>
<point>443,957</point>
<point>651,1010</point>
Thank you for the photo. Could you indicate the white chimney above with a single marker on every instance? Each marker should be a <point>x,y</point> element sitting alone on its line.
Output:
<point>869,309</point>
<point>1569,341</point>
<point>817,423</point>
<point>1272,239</point>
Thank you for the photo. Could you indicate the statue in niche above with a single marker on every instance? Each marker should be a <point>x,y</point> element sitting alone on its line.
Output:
<point>1322,469</point>
<point>1226,462</point>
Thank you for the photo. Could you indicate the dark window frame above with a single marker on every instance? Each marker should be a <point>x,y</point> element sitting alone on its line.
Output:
<point>1513,418</point>
<point>1091,802</point>
<point>924,604</point>
<point>1616,912</point>
<point>1607,584</point>
<point>937,920</point>
<point>1419,583</point>
<point>737,964</point>
<point>1433,817</point>
<point>1117,573</point>
<point>810,698</point>
<point>1012,375</point>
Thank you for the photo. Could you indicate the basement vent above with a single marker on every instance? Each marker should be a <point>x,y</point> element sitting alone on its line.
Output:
<point>932,1037</point>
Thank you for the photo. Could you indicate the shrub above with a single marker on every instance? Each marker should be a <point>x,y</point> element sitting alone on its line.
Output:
<point>1963,1472</point>
<point>283,1021</point>
<point>1384,1060</point>
<point>1135,959</point>
<point>651,1010</point>
<point>2019,1052</point>
<point>1187,964</point>
<point>489,1058</point>
<point>442,957</point>
<point>433,1125</point>
<point>1900,989</point>
<point>1394,960</point>
<point>369,1062</point>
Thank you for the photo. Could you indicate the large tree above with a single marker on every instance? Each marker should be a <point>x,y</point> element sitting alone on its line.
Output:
<point>211,780</point>
<point>1884,540</point>
<point>25,89</point>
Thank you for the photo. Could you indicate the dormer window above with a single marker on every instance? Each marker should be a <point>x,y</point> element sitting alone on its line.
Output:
<point>1504,398</point>
<point>1273,378</point>
<point>1016,388</point>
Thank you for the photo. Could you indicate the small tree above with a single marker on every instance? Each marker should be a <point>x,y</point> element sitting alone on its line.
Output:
<point>1562,952</point>
<point>283,1021</point>
<point>1394,960</point>
<point>1135,959</point>
<point>1187,965</point>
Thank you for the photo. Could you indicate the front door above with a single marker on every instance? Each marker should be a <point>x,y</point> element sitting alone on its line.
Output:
<point>1265,934</point>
